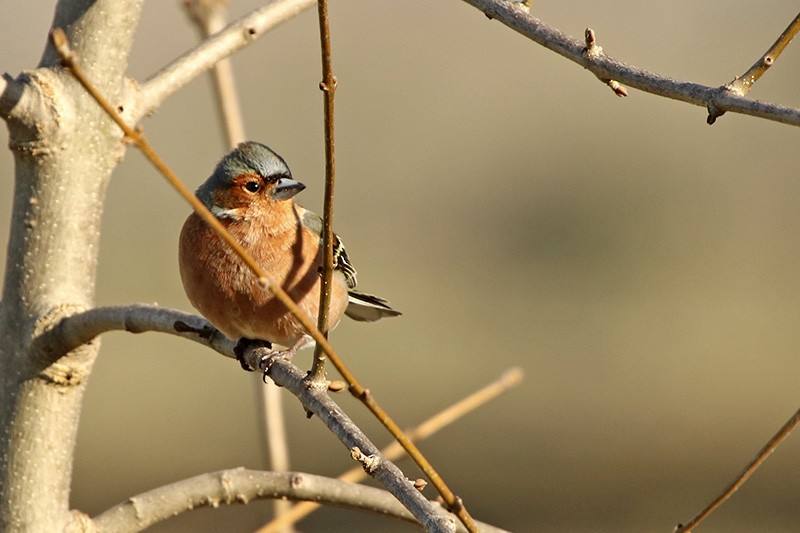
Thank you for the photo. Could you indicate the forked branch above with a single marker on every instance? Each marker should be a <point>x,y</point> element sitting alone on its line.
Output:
<point>744,83</point>
<point>516,16</point>
<point>235,36</point>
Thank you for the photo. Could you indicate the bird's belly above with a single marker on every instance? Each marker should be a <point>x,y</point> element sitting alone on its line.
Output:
<point>228,294</point>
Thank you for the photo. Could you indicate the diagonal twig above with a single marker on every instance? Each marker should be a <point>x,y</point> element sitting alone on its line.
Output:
<point>751,467</point>
<point>235,36</point>
<point>394,451</point>
<point>744,83</point>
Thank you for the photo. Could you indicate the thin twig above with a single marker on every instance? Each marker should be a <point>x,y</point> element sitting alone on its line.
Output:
<point>394,451</point>
<point>328,88</point>
<point>209,18</point>
<point>514,15</point>
<point>744,83</point>
<point>454,503</point>
<point>316,400</point>
<point>751,467</point>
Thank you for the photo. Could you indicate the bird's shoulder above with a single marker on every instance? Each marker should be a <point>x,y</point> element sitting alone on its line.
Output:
<point>341,262</point>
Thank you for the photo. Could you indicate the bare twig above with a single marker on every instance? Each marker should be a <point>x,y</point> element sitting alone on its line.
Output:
<point>69,60</point>
<point>751,467</point>
<point>394,451</point>
<point>328,88</point>
<point>744,83</point>
<point>236,35</point>
<point>517,17</point>
<point>274,424</point>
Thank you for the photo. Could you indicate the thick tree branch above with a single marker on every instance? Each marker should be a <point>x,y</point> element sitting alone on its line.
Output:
<point>84,326</point>
<point>236,35</point>
<point>514,14</point>
<point>64,150</point>
<point>239,485</point>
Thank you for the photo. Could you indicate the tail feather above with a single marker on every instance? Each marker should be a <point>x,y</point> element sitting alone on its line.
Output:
<point>368,308</point>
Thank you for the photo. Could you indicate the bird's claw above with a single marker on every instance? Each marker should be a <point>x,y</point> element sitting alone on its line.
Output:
<point>266,361</point>
<point>241,348</point>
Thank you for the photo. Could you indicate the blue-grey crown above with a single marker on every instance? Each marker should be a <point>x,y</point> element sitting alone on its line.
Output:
<point>246,158</point>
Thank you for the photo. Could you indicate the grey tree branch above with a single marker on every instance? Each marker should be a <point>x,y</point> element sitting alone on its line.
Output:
<point>235,36</point>
<point>82,327</point>
<point>239,485</point>
<point>516,16</point>
<point>72,331</point>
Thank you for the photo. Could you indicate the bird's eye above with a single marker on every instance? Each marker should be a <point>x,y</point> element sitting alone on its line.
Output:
<point>252,186</point>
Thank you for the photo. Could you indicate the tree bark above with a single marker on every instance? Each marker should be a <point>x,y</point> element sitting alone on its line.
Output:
<point>65,149</point>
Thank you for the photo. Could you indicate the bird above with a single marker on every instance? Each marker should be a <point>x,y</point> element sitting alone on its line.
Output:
<point>251,192</point>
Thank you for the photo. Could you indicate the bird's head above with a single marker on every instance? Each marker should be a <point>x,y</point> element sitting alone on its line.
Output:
<point>249,181</point>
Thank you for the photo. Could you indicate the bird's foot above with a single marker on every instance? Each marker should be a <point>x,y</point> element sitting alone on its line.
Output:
<point>242,346</point>
<point>266,361</point>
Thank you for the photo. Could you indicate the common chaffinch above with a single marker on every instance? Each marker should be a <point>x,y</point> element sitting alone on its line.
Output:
<point>251,192</point>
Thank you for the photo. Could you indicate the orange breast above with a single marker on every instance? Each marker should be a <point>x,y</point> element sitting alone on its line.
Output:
<point>223,289</point>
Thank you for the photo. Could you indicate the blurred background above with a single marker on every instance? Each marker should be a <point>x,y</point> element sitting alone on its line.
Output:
<point>638,264</point>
